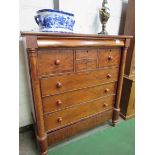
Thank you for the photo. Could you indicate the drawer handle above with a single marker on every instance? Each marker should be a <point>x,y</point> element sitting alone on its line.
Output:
<point>110,58</point>
<point>59,102</point>
<point>59,119</point>
<point>57,62</point>
<point>109,76</point>
<point>107,90</point>
<point>105,104</point>
<point>59,85</point>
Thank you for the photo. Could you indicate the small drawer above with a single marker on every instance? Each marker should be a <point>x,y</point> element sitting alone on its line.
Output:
<point>109,57</point>
<point>60,101</point>
<point>55,61</point>
<point>76,113</point>
<point>74,81</point>
<point>86,54</point>
<point>86,64</point>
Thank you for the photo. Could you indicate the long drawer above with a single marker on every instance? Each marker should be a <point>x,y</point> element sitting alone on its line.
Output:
<point>73,114</point>
<point>84,124</point>
<point>68,82</point>
<point>60,101</point>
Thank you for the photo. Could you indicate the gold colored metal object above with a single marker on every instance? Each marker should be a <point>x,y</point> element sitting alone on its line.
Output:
<point>104,14</point>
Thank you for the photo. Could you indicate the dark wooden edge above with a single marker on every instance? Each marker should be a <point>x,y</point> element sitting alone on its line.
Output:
<point>131,77</point>
<point>74,129</point>
<point>78,35</point>
<point>126,97</point>
<point>129,29</point>
<point>127,116</point>
<point>130,56</point>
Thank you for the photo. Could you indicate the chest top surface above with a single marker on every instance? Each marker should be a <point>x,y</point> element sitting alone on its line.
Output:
<point>47,40</point>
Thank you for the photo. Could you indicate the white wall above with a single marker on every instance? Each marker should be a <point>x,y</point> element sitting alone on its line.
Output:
<point>27,11</point>
<point>87,14</point>
<point>24,96</point>
<point>27,23</point>
<point>87,21</point>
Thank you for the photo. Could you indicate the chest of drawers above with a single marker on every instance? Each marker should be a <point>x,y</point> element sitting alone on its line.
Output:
<point>76,82</point>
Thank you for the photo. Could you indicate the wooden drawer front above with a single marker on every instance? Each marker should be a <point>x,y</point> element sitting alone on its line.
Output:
<point>55,61</point>
<point>86,59</point>
<point>109,57</point>
<point>86,54</point>
<point>62,83</point>
<point>67,99</point>
<point>86,64</point>
<point>73,114</point>
<point>83,125</point>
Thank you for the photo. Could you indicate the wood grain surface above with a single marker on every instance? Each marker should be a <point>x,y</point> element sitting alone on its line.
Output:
<point>76,81</point>
<point>64,100</point>
<point>75,113</point>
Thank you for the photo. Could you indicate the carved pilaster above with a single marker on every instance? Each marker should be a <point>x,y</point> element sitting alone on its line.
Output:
<point>42,141</point>
<point>41,133</point>
<point>120,82</point>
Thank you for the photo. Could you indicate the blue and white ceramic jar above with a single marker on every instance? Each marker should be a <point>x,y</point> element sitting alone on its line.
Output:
<point>55,21</point>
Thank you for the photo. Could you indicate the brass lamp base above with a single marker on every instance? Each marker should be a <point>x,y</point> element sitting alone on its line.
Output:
<point>104,14</point>
<point>103,32</point>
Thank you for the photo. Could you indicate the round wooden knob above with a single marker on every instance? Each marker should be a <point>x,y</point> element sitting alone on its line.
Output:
<point>110,57</point>
<point>59,102</point>
<point>109,76</point>
<point>105,104</point>
<point>107,90</point>
<point>59,85</point>
<point>59,119</point>
<point>57,62</point>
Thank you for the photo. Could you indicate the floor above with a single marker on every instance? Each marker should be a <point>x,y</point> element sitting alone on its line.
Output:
<point>28,144</point>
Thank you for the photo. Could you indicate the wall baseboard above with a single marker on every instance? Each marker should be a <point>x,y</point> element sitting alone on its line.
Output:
<point>26,128</point>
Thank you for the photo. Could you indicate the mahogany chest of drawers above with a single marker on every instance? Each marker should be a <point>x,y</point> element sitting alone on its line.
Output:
<point>76,82</point>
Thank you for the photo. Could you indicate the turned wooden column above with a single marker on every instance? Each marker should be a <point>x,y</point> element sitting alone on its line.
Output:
<point>37,102</point>
<point>120,82</point>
